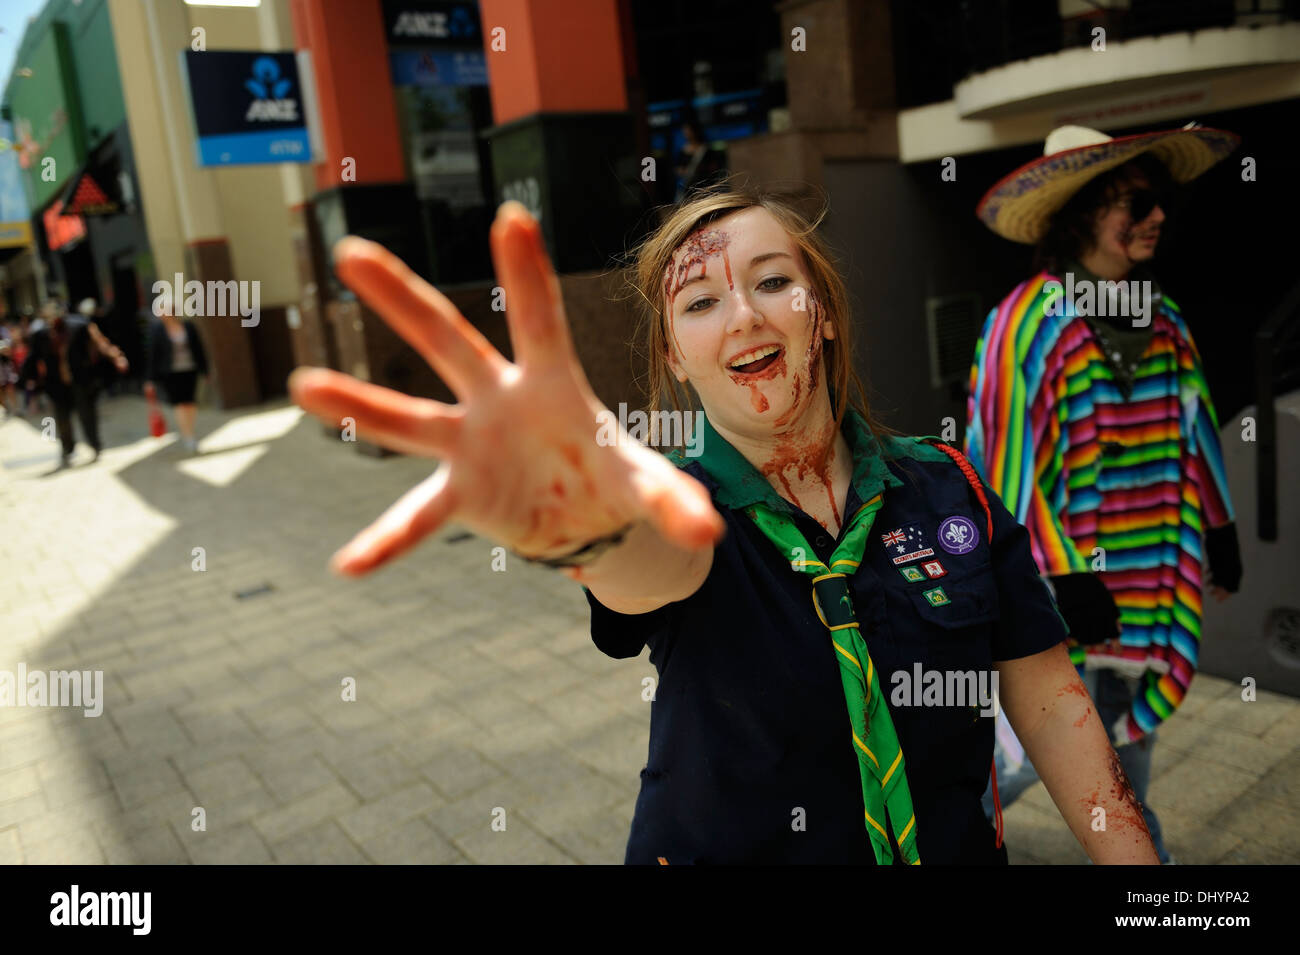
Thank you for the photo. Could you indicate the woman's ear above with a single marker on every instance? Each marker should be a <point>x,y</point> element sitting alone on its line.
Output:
<point>674,365</point>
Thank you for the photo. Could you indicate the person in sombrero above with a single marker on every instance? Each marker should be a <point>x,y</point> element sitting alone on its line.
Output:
<point>1090,417</point>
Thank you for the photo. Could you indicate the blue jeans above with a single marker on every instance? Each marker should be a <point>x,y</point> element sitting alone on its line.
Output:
<point>1113,695</point>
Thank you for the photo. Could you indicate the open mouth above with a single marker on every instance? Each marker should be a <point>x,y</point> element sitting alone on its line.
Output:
<point>756,360</point>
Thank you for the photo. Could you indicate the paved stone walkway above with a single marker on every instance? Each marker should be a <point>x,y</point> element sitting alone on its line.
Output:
<point>478,694</point>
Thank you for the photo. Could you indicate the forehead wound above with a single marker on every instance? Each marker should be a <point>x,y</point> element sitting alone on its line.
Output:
<point>697,248</point>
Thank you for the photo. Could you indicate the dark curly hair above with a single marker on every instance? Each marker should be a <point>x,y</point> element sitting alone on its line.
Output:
<point>1070,234</point>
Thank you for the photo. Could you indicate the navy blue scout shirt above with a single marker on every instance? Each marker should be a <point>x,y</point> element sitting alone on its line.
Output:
<point>751,757</point>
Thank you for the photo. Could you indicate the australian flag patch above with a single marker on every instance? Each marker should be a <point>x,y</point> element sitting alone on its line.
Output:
<point>906,543</point>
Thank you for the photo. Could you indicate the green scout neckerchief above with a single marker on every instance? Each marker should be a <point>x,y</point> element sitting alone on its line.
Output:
<point>874,739</point>
<point>880,757</point>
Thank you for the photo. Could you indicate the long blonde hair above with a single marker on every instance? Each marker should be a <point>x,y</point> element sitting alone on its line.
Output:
<point>652,259</point>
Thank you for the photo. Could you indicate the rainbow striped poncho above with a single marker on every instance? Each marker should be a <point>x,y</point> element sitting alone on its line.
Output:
<point>1122,487</point>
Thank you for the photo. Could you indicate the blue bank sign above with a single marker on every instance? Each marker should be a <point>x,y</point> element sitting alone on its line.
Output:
<point>248,107</point>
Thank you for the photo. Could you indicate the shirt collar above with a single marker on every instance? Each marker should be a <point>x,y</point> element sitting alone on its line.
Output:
<point>740,484</point>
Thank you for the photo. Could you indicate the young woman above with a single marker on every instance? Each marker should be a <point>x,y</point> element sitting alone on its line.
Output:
<point>790,580</point>
<point>176,359</point>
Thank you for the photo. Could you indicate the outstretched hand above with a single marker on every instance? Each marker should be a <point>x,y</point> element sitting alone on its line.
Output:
<point>519,460</point>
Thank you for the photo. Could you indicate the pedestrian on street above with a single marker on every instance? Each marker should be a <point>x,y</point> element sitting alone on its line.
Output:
<point>176,358</point>
<point>699,165</point>
<point>1089,415</point>
<point>24,391</point>
<point>782,578</point>
<point>64,352</point>
<point>11,355</point>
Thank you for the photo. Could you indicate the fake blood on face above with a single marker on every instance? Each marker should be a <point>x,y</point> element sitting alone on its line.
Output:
<point>815,342</point>
<point>810,367</point>
<point>698,248</point>
<point>794,402</point>
<point>758,399</point>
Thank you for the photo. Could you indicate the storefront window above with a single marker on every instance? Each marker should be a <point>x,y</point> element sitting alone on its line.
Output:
<point>440,85</point>
<point>440,144</point>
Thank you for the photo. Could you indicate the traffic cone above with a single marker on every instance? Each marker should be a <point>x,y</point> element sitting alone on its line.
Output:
<point>157,425</point>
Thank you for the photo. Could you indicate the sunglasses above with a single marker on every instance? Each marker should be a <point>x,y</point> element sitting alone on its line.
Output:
<point>1140,202</point>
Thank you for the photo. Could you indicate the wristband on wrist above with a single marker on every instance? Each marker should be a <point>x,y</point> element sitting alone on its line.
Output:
<point>585,554</point>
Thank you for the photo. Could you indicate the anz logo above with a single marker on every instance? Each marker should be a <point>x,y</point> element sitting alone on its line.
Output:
<point>269,89</point>
<point>435,24</point>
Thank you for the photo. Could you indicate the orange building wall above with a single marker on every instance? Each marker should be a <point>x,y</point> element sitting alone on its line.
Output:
<point>349,55</point>
<point>560,56</point>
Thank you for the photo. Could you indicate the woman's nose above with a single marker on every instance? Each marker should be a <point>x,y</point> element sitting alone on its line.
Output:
<point>743,314</point>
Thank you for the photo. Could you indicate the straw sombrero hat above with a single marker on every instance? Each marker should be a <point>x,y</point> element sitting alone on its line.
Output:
<point>1022,204</point>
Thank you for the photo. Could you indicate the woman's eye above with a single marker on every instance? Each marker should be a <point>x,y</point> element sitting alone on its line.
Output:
<point>780,280</point>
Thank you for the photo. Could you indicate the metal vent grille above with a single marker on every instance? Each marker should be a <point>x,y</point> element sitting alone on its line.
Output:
<point>953,325</point>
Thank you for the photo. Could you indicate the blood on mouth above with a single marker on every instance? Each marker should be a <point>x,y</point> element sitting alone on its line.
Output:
<point>775,368</point>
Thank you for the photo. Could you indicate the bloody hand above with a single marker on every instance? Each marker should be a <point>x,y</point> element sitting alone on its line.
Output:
<point>519,460</point>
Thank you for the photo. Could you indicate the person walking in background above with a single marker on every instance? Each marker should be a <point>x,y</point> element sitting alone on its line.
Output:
<point>27,392</point>
<point>92,313</point>
<point>175,360</point>
<point>1090,417</point>
<point>24,392</point>
<point>64,352</point>
<point>699,165</point>
<point>10,362</point>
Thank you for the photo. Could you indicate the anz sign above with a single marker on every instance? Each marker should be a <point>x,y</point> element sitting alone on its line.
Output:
<point>247,107</point>
<point>270,91</point>
<point>432,24</point>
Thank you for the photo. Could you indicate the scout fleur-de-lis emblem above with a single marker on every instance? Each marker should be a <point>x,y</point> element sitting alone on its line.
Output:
<point>957,535</point>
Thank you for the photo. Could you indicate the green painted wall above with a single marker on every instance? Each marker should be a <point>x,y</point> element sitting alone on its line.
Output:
<point>44,114</point>
<point>94,61</point>
<point>73,98</point>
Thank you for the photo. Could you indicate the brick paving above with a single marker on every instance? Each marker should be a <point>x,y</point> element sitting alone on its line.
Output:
<point>479,696</point>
